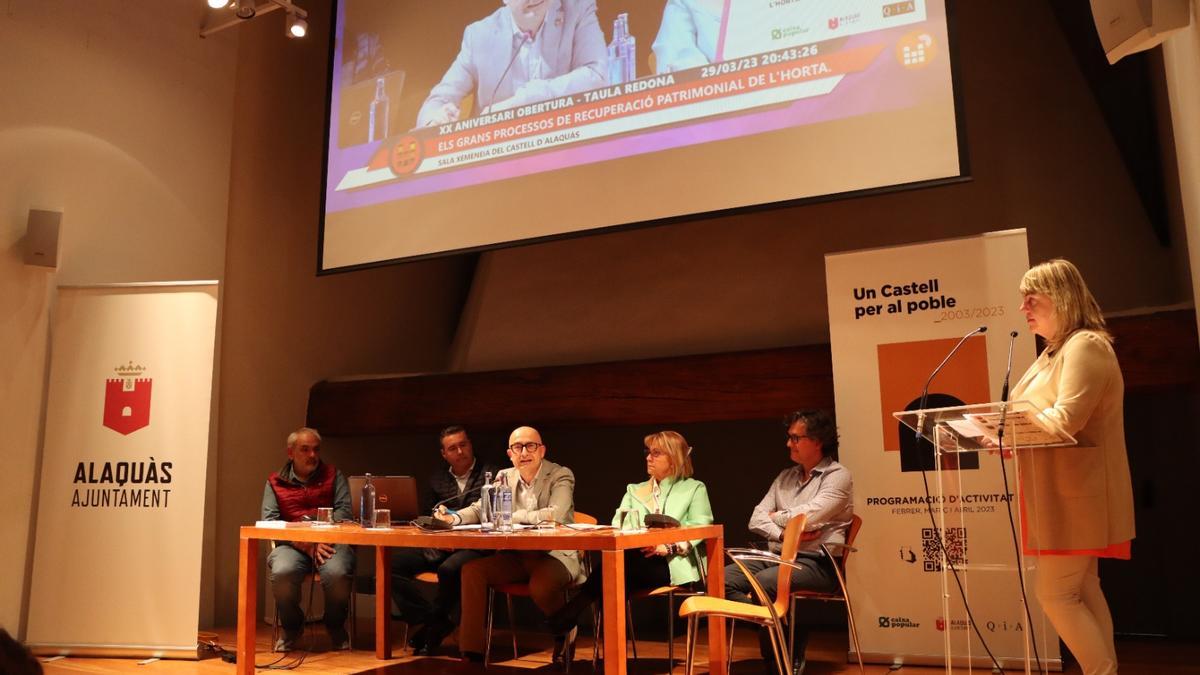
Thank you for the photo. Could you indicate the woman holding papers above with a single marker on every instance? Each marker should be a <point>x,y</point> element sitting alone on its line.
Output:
<point>672,491</point>
<point>1078,501</point>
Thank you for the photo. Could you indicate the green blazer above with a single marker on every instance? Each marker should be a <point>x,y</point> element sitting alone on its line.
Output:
<point>686,500</point>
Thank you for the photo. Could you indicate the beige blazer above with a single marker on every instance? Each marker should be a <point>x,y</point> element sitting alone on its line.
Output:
<point>1078,497</point>
<point>554,486</point>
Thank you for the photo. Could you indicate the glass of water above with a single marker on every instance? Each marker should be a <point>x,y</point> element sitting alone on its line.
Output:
<point>325,516</point>
<point>383,518</point>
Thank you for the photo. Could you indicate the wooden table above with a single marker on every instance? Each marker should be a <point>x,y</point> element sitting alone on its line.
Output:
<point>610,543</point>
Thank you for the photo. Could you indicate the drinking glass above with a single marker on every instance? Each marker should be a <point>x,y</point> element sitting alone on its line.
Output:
<point>383,518</point>
<point>325,516</point>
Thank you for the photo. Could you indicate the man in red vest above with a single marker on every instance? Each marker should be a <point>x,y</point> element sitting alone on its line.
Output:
<point>294,493</point>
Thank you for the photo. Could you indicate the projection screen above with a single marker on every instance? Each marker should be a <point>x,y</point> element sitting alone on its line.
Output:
<point>465,124</point>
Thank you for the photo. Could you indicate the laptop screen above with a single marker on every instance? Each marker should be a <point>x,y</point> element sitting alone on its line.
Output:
<point>398,493</point>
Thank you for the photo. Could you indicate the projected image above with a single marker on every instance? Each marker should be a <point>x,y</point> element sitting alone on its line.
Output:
<point>439,98</point>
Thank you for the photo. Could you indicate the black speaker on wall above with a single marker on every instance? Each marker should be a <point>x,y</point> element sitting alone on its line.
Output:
<point>41,238</point>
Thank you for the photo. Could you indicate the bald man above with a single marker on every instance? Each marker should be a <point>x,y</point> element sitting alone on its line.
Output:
<point>542,490</point>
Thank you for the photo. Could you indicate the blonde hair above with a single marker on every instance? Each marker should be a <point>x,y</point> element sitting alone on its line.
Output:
<point>672,443</point>
<point>1074,306</point>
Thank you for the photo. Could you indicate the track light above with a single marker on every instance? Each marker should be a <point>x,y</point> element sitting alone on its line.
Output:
<point>297,19</point>
<point>296,26</point>
<point>245,9</point>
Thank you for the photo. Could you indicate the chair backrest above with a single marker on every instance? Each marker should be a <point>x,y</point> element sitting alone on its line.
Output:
<point>851,535</point>
<point>791,544</point>
<point>585,519</point>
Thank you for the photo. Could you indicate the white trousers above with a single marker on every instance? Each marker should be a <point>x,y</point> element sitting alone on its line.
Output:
<point>1068,588</point>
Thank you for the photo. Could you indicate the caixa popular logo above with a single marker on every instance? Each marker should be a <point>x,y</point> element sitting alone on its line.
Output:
<point>127,399</point>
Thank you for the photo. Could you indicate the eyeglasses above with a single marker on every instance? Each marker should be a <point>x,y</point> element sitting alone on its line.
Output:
<point>793,438</point>
<point>654,454</point>
<point>518,448</point>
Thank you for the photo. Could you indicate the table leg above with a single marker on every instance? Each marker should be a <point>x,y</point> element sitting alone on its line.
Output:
<point>247,604</point>
<point>717,647</point>
<point>383,604</point>
<point>612,564</point>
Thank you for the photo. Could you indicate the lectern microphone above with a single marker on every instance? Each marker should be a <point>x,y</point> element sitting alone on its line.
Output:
<point>925,389</point>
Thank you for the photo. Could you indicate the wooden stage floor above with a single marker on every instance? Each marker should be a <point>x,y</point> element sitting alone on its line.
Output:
<point>826,656</point>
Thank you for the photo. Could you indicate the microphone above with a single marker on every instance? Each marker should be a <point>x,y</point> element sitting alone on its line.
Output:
<point>447,500</point>
<point>516,53</point>
<point>1012,339</point>
<point>925,389</point>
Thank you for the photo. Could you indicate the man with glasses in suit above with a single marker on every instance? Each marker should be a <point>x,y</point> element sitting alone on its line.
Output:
<point>542,490</point>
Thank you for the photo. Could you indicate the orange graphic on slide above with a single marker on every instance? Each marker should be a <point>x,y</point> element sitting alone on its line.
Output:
<point>903,369</point>
<point>916,49</point>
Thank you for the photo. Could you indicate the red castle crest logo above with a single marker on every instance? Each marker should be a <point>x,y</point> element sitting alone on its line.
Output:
<point>127,400</point>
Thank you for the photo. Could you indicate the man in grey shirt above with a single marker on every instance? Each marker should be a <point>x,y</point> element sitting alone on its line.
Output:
<point>818,487</point>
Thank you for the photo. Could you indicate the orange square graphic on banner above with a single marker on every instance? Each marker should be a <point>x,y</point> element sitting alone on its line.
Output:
<point>904,367</point>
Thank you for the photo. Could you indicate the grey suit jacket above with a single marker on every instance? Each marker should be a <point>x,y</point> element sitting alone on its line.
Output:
<point>554,486</point>
<point>572,45</point>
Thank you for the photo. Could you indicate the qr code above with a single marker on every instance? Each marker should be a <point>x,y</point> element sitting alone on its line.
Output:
<point>956,548</point>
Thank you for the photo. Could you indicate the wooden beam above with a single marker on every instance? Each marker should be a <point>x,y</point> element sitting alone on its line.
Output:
<point>1156,350</point>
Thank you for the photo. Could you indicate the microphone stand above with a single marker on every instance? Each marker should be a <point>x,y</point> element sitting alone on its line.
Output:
<point>1011,523</point>
<point>939,535</point>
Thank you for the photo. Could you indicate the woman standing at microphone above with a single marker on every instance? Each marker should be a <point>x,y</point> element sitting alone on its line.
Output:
<point>1078,500</point>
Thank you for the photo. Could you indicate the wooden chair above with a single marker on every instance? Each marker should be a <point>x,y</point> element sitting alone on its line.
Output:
<point>771,613</point>
<point>840,595</point>
<point>426,577</point>
<point>509,591</point>
<point>668,592</point>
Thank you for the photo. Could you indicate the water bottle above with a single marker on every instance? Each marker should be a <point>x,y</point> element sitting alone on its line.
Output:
<point>617,50</point>
<point>378,128</point>
<point>485,503</point>
<point>504,507</point>
<point>366,504</point>
<point>630,58</point>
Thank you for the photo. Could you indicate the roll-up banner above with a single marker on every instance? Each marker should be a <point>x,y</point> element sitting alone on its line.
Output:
<point>120,516</point>
<point>894,314</point>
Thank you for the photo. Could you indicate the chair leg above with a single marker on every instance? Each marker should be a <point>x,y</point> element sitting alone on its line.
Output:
<point>690,646</point>
<point>404,637</point>
<point>779,647</point>
<point>791,641</point>
<point>629,622</point>
<point>729,652</point>
<point>353,614</point>
<point>487,631</point>
<point>595,635</point>
<point>854,635</point>
<point>671,631</point>
<point>512,624</point>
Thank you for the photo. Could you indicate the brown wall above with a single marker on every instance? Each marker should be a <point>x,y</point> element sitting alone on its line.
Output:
<point>284,328</point>
<point>119,116</point>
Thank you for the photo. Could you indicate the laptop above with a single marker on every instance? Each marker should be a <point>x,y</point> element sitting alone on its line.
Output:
<point>398,493</point>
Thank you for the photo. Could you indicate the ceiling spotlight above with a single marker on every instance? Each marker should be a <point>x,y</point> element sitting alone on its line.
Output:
<point>296,26</point>
<point>245,9</point>
<point>218,4</point>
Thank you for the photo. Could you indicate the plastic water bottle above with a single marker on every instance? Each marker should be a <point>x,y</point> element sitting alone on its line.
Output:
<point>504,507</point>
<point>366,504</point>
<point>617,50</point>
<point>486,520</point>
<point>378,129</point>
<point>630,57</point>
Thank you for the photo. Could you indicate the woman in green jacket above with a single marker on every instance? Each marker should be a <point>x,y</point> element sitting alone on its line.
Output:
<point>670,490</point>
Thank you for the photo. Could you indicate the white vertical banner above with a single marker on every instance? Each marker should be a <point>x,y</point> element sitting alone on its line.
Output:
<point>894,314</point>
<point>116,566</point>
